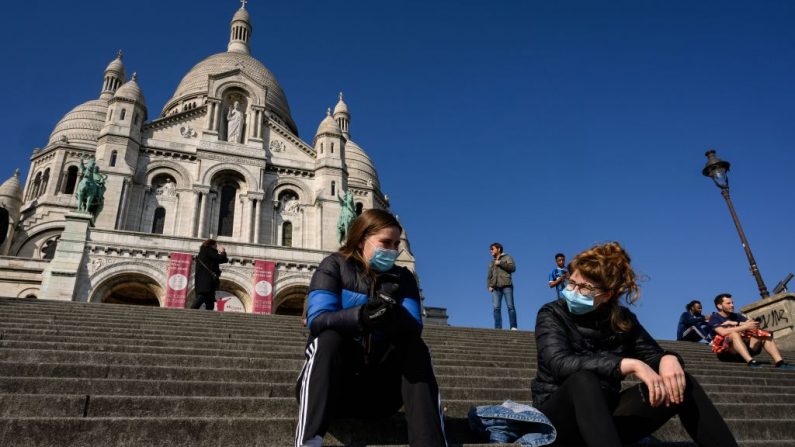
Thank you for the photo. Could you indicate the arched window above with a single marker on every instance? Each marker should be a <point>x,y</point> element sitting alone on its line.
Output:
<point>159,220</point>
<point>44,180</point>
<point>49,247</point>
<point>333,188</point>
<point>113,156</point>
<point>123,114</point>
<point>135,118</point>
<point>110,114</point>
<point>359,208</point>
<point>34,191</point>
<point>287,234</point>
<point>71,180</point>
<point>332,148</point>
<point>226,215</point>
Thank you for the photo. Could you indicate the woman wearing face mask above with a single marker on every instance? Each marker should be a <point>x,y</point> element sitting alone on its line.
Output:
<point>365,356</point>
<point>587,343</point>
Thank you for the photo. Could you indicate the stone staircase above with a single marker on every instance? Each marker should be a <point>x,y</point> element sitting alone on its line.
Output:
<point>77,374</point>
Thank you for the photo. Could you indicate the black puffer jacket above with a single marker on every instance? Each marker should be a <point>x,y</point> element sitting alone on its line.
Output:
<point>208,273</point>
<point>569,343</point>
<point>338,290</point>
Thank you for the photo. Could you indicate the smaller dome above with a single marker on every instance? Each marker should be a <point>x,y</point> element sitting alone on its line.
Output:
<point>243,15</point>
<point>130,90</point>
<point>341,107</point>
<point>82,124</point>
<point>328,125</point>
<point>116,65</point>
<point>11,188</point>
<point>361,170</point>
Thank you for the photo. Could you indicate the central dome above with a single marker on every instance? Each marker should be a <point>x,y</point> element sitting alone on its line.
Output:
<point>196,82</point>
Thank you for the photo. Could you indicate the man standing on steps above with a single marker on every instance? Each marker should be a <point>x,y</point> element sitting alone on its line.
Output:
<point>557,279</point>
<point>207,276</point>
<point>739,336</point>
<point>500,284</point>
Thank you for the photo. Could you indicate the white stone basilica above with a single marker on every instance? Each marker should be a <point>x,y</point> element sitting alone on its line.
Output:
<point>223,159</point>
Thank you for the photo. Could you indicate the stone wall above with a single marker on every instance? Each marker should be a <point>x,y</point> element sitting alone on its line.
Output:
<point>775,314</point>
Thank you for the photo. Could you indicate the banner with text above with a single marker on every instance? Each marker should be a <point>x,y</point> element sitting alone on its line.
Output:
<point>177,283</point>
<point>263,286</point>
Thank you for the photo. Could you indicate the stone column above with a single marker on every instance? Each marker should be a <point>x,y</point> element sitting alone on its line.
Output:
<point>121,213</point>
<point>202,200</point>
<point>217,118</point>
<point>197,201</point>
<point>144,205</point>
<point>211,120</point>
<point>257,220</point>
<point>176,215</point>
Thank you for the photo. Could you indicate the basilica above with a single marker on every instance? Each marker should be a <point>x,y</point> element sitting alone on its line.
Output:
<point>222,160</point>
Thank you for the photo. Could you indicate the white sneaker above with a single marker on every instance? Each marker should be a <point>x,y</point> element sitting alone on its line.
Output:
<point>514,329</point>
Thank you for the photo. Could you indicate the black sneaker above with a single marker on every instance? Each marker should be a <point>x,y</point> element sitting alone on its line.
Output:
<point>785,365</point>
<point>754,364</point>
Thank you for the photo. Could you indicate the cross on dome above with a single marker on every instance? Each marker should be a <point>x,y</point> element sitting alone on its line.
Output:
<point>243,4</point>
<point>119,54</point>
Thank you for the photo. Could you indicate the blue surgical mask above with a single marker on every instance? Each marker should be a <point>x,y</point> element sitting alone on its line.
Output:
<point>383,259</point>
<point>578,303</point>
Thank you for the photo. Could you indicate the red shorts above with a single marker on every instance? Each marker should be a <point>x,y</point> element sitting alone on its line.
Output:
<point>721,343</point>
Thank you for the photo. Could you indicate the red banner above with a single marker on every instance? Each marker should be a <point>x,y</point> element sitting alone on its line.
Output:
<point>263,287</point>
<point>177,282</point>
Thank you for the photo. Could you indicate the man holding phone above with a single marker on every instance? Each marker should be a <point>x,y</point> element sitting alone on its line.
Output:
<point>739,336</point>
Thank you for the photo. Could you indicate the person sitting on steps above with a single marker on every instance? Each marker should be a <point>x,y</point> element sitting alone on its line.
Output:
<point>737,336</point>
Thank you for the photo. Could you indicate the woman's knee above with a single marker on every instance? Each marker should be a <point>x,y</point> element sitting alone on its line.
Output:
<point>583,381</point>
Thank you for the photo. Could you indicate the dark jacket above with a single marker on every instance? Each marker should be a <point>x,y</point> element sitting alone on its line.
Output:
<point>687,320</point>
<point>207,271</point>
<point>338,290</point>
<point>500,275</point>
<point>569,343</point>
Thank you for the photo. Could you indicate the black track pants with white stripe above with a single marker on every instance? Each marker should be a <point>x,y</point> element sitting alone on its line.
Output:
<point>335,383</point>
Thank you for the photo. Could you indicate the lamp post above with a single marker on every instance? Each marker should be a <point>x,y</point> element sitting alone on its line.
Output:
<point>717,170</point>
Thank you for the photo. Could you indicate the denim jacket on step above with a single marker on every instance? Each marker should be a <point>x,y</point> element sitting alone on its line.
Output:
<point>512,422</point>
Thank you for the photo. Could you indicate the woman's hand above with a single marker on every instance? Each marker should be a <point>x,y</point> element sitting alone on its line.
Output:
<point>673,377</point>
<point>645,374</point>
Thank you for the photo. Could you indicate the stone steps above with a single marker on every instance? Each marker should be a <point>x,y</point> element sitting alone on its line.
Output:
<point>96,374</point>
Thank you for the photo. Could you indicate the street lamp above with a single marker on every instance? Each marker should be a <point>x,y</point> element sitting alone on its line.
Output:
<point>718,171</point>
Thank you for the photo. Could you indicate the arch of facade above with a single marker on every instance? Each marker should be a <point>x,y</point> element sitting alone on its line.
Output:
<point>303,190</point>
<point>181,175</point>
<point>30,246</point>
<point>256,94</point>
<point>111,276</point>
<point>290,295</point>
<point>30,292</point>
<point>129,287</point>
<point>230,283</point>
<point>219,169</point>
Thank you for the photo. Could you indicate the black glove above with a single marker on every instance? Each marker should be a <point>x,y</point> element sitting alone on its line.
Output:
<point>379,311</point>
<point>376,314</point>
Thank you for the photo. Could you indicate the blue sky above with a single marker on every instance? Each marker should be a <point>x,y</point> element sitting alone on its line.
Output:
<point>546,126</point>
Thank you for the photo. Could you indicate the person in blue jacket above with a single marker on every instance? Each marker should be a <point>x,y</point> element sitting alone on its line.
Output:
<point>693,325</point>
<point>365,356</point>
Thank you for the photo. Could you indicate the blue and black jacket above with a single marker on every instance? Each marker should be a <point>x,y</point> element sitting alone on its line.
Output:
<point>338,290</point>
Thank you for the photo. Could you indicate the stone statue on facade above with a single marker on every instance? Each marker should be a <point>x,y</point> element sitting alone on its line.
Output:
<point>234,124</point>
<point>167,189</point>
<point>347,214</point>
<point>91,189</point>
